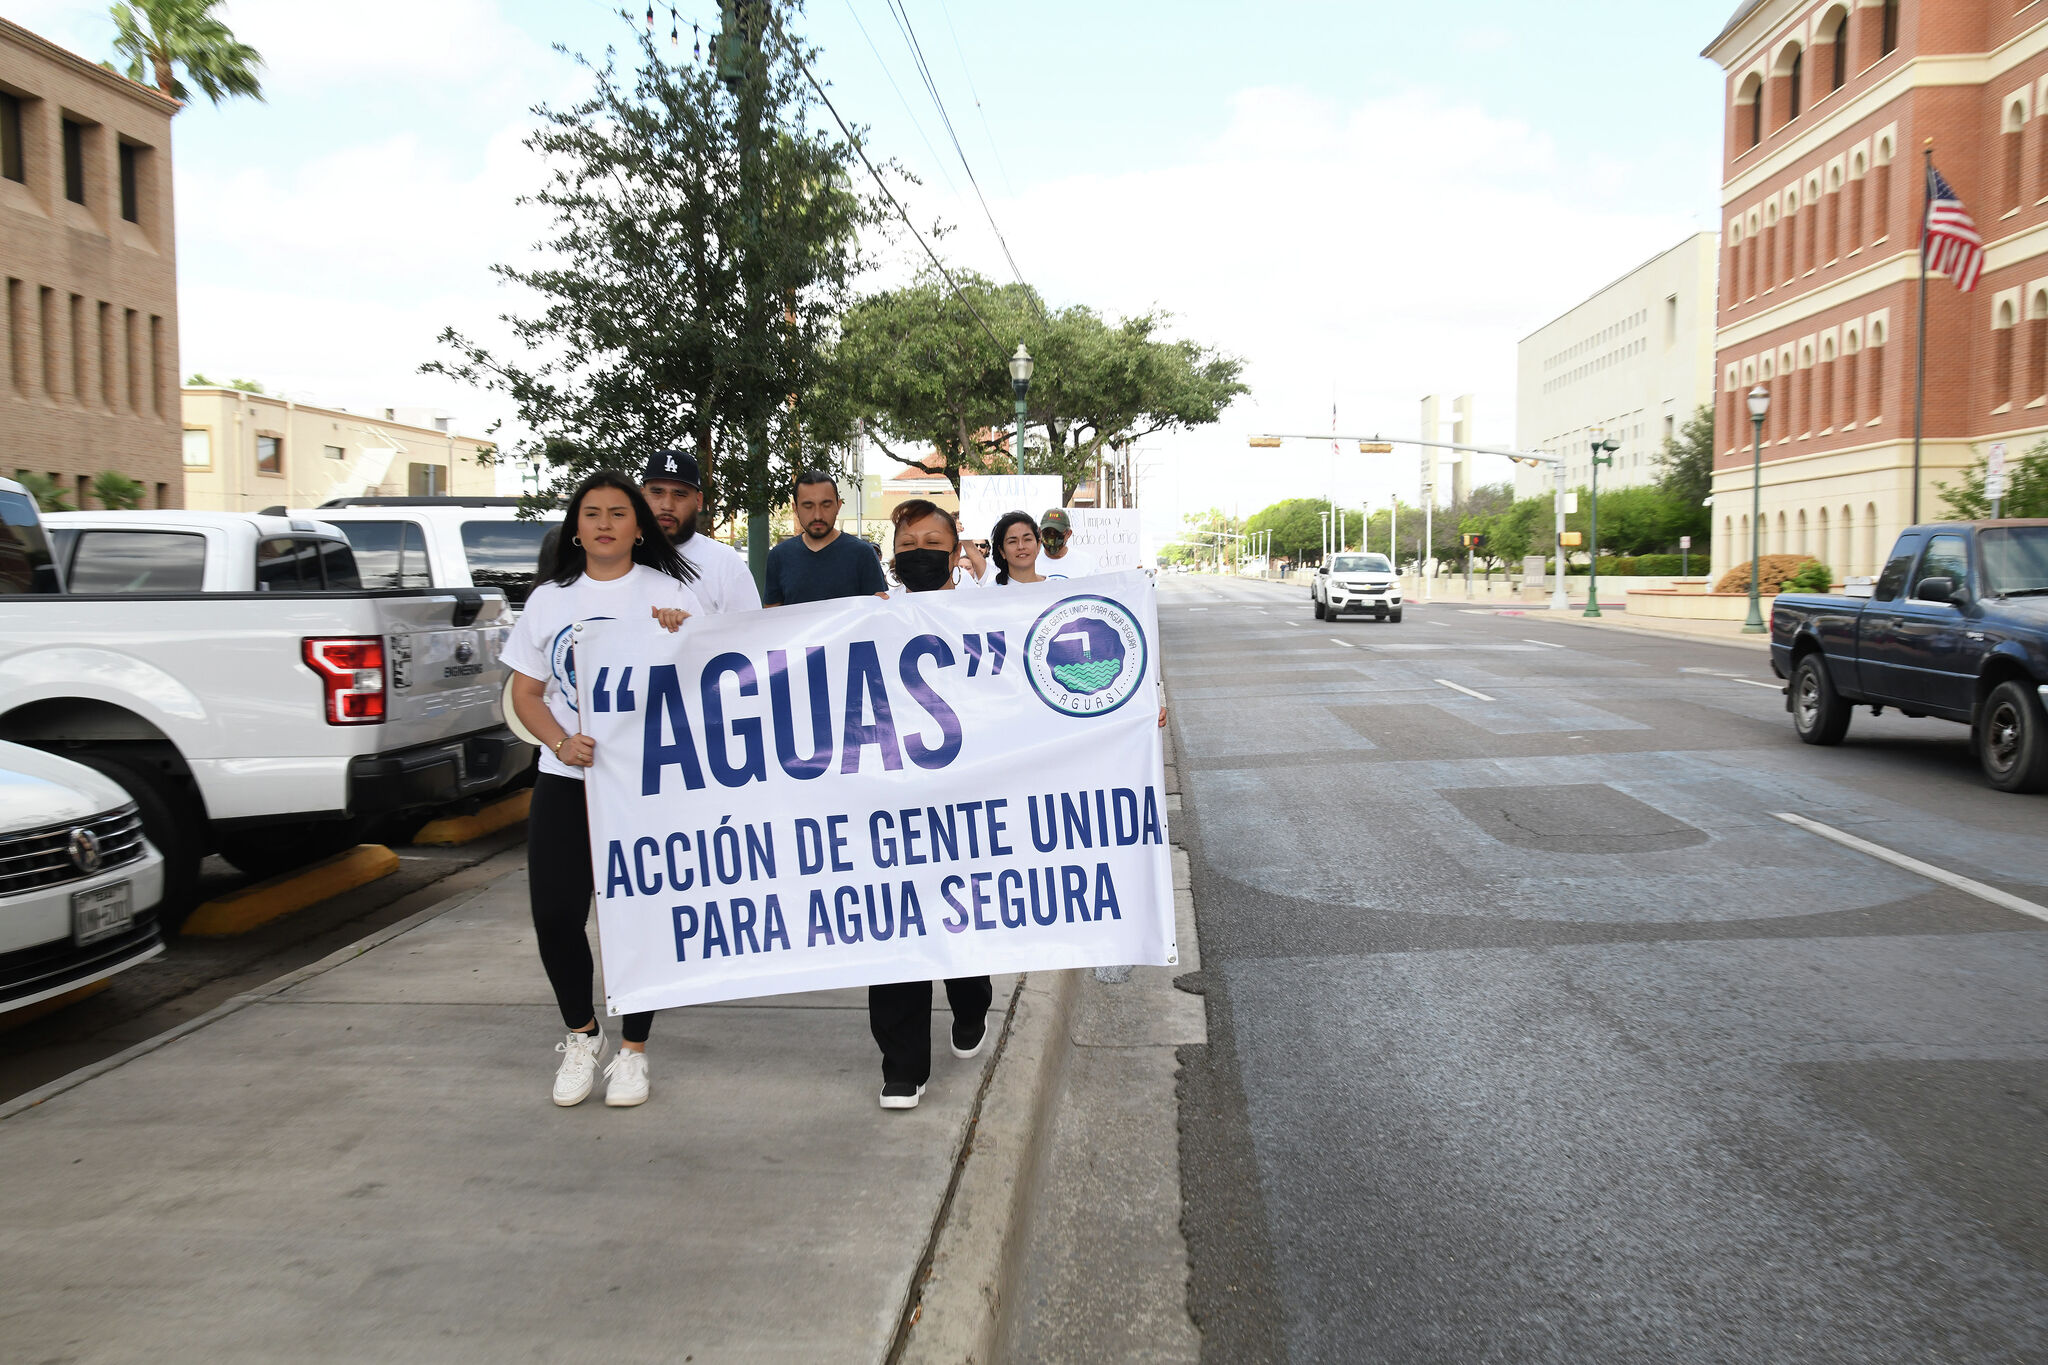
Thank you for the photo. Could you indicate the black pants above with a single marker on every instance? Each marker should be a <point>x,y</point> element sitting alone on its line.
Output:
<point>558,887</point>
<point>900,1017</point>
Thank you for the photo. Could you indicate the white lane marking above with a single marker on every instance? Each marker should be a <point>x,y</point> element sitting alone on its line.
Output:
<point>1445,624</point>
<point>1914,865</point>
<point>1775,687</point>
<point>1294,623</point>
<point>1198,609</point>
<point>1346,643</point>
<point>1545,643</point>
<point>1466,690</point>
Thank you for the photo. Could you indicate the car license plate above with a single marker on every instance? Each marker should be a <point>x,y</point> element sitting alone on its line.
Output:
<point>100,913</point>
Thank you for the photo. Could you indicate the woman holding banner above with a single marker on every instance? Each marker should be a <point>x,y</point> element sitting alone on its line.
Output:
<point>900,1014</point>
<point>1015,543</point>
<point>611,561</point>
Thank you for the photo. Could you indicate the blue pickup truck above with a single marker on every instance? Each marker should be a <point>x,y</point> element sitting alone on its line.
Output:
<point>1956,627</point>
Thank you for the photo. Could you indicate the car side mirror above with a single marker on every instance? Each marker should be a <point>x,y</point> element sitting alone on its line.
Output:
<point>1936,590</point>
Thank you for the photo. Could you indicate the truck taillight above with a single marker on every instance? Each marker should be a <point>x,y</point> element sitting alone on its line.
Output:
<point>352,675</point>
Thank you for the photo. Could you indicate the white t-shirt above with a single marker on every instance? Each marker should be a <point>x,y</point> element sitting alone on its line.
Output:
<point>1073,564</point>
<point>543,644</point>
<point>724,581</point>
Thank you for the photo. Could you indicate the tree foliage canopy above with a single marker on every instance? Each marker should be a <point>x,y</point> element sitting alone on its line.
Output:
<point>2026,488</point>
<point>161,37</point>
<point>917,362</point>
<point>673,312</point>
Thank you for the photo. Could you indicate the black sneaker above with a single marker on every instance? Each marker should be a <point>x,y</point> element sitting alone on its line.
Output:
<point>966,1044</point>
<point>901,1095</point>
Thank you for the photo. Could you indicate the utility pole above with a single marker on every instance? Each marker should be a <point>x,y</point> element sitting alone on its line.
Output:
<point>740,67</point>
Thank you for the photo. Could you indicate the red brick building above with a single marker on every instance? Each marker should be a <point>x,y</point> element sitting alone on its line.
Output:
<point>1829,104</point>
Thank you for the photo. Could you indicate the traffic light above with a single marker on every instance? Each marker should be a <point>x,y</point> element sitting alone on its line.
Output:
<point>1375,447</point>
<point>1474,539</point>
<point>1265,442</point>
<point>741,24</point>
<point>1570,540</point>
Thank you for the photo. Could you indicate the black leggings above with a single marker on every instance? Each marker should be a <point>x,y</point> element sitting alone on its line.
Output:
<point>558,886</point>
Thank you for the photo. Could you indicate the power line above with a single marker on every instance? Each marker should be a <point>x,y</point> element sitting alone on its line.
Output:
<point>993,146</point>
<point>909,32</point>
<point>937,160</point>
<point>796,57</point>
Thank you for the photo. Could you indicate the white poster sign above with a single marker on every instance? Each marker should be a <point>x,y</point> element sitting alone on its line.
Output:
<point>985,497</point>
<point>861,791</point>
<point>1994,472</point>
<point>1108,536</point>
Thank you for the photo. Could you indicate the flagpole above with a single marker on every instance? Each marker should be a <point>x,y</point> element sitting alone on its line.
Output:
<point>1920,332</point>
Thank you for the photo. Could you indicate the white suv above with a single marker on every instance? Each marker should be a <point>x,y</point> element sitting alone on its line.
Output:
<point>1356,582</point>
<point>78,882</point>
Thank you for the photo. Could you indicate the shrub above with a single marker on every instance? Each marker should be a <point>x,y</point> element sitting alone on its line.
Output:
<point>48,493</point>
<point>116,491</point>
<point>1776,572</point>
<point>1661,566</point>
<point>1813,578</point>
<point>1622,566</point>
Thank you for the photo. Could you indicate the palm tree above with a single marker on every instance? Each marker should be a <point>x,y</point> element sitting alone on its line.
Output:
<point>157,36</point>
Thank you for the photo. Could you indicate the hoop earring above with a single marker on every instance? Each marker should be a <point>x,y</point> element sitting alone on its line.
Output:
<point>639,540</point>
<point>577,541</point>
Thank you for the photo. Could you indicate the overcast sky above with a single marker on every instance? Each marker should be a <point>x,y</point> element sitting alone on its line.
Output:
<point>1368,201</point>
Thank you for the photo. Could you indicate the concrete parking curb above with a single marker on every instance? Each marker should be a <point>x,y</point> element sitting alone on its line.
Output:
<point>255,906</point>
<point>462,829</point>
<point>74,1079</point>
<point>959,1304</point>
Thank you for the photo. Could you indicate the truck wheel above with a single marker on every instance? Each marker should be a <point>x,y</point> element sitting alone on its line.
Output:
<point>270,849</point>
<point>2013,739</point>
<point>1818,712</point>
<point>172,823</point>
<point>1319,607</point>
<point>1395,616</point>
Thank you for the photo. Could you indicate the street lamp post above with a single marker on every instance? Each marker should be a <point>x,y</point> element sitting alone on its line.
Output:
<point>1759,405</point>
<point>1603,453</point>
<point>1560,599</point>
<point>1020,385</point>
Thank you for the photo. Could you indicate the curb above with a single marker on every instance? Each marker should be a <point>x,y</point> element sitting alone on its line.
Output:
<point>959,1305</point>
<point>255,906</point>
<point>461,829</point>
<point>1751,642</point>
<point>233,1004</point>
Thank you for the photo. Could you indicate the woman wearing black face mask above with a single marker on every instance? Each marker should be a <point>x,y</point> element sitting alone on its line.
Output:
<point>900,1014</point>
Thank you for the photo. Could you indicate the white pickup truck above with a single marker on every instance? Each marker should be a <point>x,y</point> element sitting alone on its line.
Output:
<point>176,551</point>
<point>441,542</point>
<point>271,725</point>
<point>1356,582</point>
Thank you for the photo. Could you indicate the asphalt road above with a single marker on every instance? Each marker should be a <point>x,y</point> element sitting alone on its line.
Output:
<point>1534,1036</point>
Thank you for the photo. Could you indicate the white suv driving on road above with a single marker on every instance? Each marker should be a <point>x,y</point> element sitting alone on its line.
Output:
<point>1356,582</point>
<point>78,881</point>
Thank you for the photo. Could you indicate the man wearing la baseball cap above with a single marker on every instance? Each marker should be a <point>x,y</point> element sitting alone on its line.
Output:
<point>673,486</point>
<point>1057,558</point>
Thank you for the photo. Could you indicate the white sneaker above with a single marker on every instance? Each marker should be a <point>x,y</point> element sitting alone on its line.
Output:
<point>581,1053</point>
<point>626,1079</point>
<point>901,1095</point>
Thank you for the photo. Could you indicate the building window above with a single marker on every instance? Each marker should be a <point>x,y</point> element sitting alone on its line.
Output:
<point>2037,347</point>
<point>333,452</point>
<point>10,138</point>
<point>1838,59</point>
<point>1881,201</point>
<point>74,161</point>
<point>2002,356</point>
<point>1888,40</point>
<point>2012,165</point>
<point>130,154</point>
<point>1756,119</point>
<point>198,448</point>
<point>270,455</point>
<point>1797,74</point>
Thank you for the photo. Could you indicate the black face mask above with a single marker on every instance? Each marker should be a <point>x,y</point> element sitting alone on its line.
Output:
<point>923,570</point>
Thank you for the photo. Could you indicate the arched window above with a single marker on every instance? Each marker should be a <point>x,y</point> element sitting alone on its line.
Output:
<point>1838,57</point>
<point>1750,108</point>
<point>1827,548</point>
<point>2002,355</point>
<point>1796,76</point>
<point>1802,532</point>
<point>1870,537</point>
<point>1888,39</point>
<point>1781,535</point>
<point>1850,564</point>
<point>2037,345</point>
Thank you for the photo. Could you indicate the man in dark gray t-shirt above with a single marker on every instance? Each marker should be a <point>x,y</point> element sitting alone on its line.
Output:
<point>820,563</point>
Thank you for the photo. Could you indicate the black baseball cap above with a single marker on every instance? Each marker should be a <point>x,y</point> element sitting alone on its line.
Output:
<point>674,466</point>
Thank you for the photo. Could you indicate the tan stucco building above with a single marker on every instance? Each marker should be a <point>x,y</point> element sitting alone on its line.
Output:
<point>88,266</point>
<point>243,452</point>
<point>1635,361</point>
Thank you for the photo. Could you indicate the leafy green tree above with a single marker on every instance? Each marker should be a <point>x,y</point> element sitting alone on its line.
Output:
<point>116,491</point>
<point>1201,534</point>
<point>196,380</point>
<point>161,37</point>
<point>48,493</point>
<point>1685,475</point>
<point>2026,488</point>
<point>697,277</point>
<point>1297,527</point>
<point>919,363</point>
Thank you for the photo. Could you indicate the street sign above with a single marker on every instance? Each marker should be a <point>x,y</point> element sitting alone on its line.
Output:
<point>1571,504</point>
<point>1685,542</point>
<point>1375,447</point>
<point>1994,472</point>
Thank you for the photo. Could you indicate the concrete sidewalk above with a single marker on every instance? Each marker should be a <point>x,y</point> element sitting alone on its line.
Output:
<point>360,1162</point>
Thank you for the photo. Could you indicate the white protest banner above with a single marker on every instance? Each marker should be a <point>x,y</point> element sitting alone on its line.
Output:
<point>985,497</point>
<point>1109,536</point>
<point>860,791</point>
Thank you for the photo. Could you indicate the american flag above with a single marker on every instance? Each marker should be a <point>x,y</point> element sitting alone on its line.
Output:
<point>1949,241</point>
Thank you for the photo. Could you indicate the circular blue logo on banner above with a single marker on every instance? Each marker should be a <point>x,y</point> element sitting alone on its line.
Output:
<point>562,660</point>
<point>1085,656</point>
